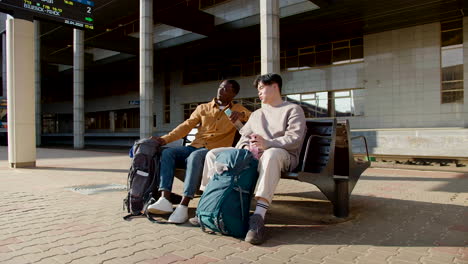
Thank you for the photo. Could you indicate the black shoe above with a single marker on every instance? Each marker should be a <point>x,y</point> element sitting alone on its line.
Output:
<point>256,233</point>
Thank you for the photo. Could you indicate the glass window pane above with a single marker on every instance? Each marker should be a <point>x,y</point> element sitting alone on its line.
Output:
<point>257,68</point>
<point>308,96</point>
<point>342,94</point>
<point>323,47</point>
<point>323,58</point>
<point>452,73</point>
<point>357,42</point>
<point>341,55</point>
<point>341,44</point>
<point>450,86</point>
<point>322,95</point>
<point>292,62</point>
<point>248,69</point>
<point>292,52</point>
<point>357,52</point>
<point>452,97</point>
<point>322,107</point>
<point>452,55</point>
<point>343,107</point>
<point>282,63</point>
<point>453,37</point>
<point>451,25</point>
<point>307,60</point>
<point>306,50</point>
<point>294,97</point>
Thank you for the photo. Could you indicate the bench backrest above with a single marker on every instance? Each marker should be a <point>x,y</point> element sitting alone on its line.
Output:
<point>320,148</point>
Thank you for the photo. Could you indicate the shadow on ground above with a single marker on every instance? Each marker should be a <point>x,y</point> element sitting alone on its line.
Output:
<point>296,218</point>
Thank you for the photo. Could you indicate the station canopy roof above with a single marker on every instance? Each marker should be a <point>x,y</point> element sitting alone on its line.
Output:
<point>205,24</point>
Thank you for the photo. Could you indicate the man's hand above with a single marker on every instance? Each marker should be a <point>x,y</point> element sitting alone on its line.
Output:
<point>236,115</point>
<point>161,141</point>
<point>257,141</point>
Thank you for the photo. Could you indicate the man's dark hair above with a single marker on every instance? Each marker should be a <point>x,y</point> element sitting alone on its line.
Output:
<point>235,85</point>
<point>269,79</point>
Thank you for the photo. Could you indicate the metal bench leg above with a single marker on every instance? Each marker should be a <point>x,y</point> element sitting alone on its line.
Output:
<point>341,205</point>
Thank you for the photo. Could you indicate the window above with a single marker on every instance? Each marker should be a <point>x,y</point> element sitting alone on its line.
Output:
<point>189,108</point>
<point>330,104</point>
<point>208,67</point>
<point>57,123</point>
<point>127,118</point>
<point>315,105</point>
<point>452,62</point>
<point>97,120</point>
<point>252,103</point>
<point>338,52</point>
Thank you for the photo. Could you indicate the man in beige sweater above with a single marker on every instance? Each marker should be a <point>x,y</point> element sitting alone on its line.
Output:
<point>276,131</point>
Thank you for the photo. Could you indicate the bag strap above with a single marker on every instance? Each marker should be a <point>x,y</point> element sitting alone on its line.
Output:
<point>129,216</point>
<point>147,214</point>
<point>241,202</point>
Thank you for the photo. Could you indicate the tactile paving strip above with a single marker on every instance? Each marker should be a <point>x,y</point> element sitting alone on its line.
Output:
<point>98,188</point>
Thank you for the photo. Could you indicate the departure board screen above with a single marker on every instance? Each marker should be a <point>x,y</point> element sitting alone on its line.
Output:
<point>76,13</point>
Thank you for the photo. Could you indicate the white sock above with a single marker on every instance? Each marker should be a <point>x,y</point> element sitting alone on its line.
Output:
<point>261,208</point>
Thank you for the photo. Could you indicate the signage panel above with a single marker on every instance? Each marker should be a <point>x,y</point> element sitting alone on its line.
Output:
<point>76,13</point>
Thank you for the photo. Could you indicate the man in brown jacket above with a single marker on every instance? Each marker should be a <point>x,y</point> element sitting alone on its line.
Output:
<point>215,130</point>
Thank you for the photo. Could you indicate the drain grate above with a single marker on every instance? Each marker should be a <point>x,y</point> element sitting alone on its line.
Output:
<point>98,188</point>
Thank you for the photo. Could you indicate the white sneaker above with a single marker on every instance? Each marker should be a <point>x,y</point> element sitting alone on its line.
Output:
<point>180,215</point>
<point>161,206</point>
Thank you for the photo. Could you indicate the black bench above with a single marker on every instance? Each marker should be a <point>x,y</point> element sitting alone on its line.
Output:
<point>327,161</point>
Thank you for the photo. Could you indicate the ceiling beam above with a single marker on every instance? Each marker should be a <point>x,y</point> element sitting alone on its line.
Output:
<point>65,58</point>
<point>322,3</point>
<point>184,16</point>
<point>123,44</point>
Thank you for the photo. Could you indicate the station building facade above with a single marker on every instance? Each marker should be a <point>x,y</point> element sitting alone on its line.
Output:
<point>405,89</point>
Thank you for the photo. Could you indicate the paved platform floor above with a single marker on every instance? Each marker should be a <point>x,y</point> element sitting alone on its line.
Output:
<point>398,216</point>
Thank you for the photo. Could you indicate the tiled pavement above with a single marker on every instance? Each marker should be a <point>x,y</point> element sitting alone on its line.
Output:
<point>398,216</point>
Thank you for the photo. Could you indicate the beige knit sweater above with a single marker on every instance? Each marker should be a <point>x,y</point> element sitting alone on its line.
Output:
<point>282,126</point>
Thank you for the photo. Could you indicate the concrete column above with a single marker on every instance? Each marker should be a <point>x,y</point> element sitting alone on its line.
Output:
<point>4,74</point>
<point>269,36</point>
<point>37,80</point>
<point>21,95</point>
<point>78,89</point>
<point>146,68</point>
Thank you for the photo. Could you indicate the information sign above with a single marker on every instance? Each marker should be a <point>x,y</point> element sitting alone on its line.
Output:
<point>76,13</point>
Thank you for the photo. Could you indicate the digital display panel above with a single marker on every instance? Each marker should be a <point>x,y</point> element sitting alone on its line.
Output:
<point>76,13</point>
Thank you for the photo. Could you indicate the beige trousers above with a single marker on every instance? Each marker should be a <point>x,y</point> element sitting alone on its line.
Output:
<point>272,162</point>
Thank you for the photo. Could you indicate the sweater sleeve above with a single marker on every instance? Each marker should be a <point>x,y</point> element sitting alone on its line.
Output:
<point>245,132</point>
<point>294,133</point>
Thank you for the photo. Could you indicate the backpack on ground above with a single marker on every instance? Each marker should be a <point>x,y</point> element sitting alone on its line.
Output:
<point>143,176</point>
<point>225,204</point>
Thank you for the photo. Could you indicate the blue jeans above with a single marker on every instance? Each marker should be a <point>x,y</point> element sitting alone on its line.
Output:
<point>189,158</point>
